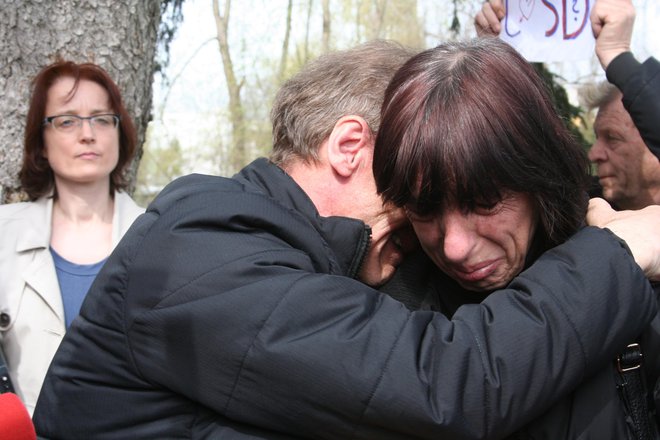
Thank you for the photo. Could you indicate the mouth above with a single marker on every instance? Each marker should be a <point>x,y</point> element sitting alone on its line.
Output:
<point>476,273</point>
<point>88,155</point>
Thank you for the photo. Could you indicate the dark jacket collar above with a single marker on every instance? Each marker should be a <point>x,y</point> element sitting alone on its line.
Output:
<point>264,197</point>
<point>347,237</point>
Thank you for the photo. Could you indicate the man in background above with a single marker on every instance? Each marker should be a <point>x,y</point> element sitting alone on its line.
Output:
<point>628,173</point>
<point>627,131</point>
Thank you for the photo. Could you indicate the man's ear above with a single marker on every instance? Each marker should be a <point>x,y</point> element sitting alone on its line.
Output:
<point>349,144</point>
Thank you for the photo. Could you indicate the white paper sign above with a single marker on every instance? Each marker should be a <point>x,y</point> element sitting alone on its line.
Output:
<point>549,30</point>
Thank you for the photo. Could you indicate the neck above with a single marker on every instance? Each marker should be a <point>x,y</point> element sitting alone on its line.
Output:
<point>640,201</point>
<point>84,203</point>
<point>316,179</point>
<point>81,228</point>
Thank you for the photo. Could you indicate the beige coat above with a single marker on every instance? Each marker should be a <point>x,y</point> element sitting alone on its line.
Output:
<point>31,311</point>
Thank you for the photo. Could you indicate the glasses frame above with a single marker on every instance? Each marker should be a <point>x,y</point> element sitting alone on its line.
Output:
<point>48,120</point>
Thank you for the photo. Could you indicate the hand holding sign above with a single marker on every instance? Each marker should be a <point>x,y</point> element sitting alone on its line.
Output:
<point>612,23</point>
<point>488,19</point>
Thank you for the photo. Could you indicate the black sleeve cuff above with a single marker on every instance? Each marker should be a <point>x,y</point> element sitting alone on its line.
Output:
<point>621,68</point>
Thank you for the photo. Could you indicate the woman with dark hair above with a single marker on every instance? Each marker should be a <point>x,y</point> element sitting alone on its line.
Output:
<point>79,140</point>
<point>471,146</point>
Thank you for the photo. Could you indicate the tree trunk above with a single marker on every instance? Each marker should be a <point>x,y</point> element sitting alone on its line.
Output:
<point>236,112</point>
<point>119,36</point>
<point>380,7</point>
<point>285,44</point>
<point>325,41</point>
<point>308,23</point>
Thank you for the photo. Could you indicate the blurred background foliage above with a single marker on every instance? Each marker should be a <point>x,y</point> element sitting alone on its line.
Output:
<point>227,60</point>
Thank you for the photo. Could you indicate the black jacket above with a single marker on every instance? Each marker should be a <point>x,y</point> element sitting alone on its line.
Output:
<point>229,305</point>
<point>640,85</point>
<point>594,411</point>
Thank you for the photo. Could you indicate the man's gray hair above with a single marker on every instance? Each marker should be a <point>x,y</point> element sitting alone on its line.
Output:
<point>349,82</point>
<point>593,96</point>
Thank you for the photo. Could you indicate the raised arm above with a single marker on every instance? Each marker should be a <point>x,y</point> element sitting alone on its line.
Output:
<point>612,25</point>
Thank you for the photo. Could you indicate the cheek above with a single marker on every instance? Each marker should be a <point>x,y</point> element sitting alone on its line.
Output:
<point>426,233</point>
<point>48,141</point>
<point>431,240</point>
<point>523,236</point>
<point>56,148</point>
<point>114,153</point>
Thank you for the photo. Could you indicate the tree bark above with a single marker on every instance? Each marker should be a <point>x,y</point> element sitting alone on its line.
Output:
<point>119,36</point>
<point>285,44</point>
<point>380,7</point>
<point>308,23</point>
<point>236,113</point>
<point>325,42</point>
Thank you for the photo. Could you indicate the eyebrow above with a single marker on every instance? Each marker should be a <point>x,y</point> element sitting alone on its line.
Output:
<point>93,112</point>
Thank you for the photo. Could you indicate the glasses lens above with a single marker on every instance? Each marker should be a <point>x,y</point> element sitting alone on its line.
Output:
<point>103,122</point>
<point>66,123</point>
<point>70,123</point>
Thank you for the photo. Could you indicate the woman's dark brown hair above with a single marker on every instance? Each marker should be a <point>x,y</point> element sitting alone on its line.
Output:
<point>36,175</point>
<point>466,122</point>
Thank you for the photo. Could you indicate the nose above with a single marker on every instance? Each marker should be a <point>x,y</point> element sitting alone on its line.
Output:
<point>598,152</point>
<point>459,238</point>
<point>87,131</point>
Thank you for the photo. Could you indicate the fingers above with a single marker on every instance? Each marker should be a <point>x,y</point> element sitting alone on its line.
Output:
<point>498,8</point>
<point>640,230</point>
<point>596,23</point>
<point>487,20</point>
<point>599,212</point>
<point>612,25</point>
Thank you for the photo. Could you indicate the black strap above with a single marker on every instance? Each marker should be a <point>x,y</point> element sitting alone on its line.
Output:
<point>633,390</point>
<point>5,381</point>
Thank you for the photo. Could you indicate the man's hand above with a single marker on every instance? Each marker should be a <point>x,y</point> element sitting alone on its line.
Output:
<point>639,229</point>
<point>612,24</point>
<point>488,19</point>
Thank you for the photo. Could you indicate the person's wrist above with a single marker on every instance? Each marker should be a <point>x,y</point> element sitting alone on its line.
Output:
<point>606,56</point>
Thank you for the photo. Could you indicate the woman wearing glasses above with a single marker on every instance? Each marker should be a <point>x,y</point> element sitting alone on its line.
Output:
<point>79,140</point>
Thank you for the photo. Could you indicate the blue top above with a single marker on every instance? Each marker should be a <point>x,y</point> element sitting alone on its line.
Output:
<point>74,280</point>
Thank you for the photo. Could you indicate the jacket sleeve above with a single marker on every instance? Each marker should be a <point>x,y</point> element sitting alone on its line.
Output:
<point>640,85</point>
<point>324,356</point>
<point>650,342</point>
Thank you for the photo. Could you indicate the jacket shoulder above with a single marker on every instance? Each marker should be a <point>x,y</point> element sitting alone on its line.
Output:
<point>15,210</point>
<point>192,186</point>
<point>127,206</point>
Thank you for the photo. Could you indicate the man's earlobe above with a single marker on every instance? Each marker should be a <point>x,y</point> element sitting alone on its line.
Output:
<point>347,144</point>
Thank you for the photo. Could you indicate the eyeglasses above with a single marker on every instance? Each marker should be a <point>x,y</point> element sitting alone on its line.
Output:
<point>71,123</point>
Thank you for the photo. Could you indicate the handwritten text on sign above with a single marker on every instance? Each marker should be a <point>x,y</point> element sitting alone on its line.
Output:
<point>549,30</point>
